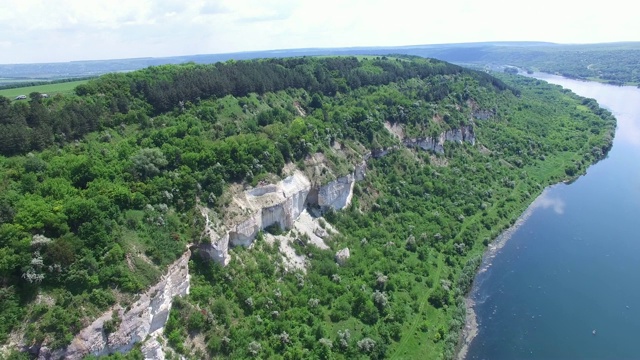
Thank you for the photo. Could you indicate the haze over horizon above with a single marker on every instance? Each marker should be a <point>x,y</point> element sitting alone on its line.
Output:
<point>36,31</point>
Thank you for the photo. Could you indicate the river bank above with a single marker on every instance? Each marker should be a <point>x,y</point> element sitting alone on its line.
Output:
<point>565,272</point>
<point>471,327</point>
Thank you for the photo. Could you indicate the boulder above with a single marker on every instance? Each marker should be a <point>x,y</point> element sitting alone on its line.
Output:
<point>342,256</point>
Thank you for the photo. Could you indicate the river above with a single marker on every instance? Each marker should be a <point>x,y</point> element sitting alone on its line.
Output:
<point>567,283</point>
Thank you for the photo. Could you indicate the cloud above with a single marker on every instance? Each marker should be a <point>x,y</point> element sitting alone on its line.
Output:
<point>266,18</point>
<point>213,8</point>
<point>78,29</point>
<point>249,11</point>
<point>28,16</point>
<point>163,8</point>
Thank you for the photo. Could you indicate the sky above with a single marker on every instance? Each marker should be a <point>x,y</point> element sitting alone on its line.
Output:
<point>33,31</point>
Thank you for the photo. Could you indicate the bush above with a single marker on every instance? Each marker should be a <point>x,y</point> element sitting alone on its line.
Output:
<point>439,298</point>
<point>197,321</point>
<point>274,229</point>
<point>340,310</point>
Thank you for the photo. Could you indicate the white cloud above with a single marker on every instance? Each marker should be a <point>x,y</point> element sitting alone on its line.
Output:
<point>89,29</point>
<point>212,8</point>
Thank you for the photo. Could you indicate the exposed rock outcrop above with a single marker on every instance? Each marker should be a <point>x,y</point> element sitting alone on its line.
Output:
<point>436,144</point>
<point>342,256</point>
<point>483,114</point>
<point>320,232</point>
<point>214,247</point>
<point>246,231</point>
<point>378,153</point>
<point>144,319</point>
<point>336,194</point>
<point>281,203</point>
<point>152,349</point>
<point>361,171</point>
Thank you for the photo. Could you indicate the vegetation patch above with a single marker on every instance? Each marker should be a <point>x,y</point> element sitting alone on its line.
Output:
<point>63,88</point>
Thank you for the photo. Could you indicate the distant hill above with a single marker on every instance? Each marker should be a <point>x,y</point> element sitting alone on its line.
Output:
<point>609,62</point>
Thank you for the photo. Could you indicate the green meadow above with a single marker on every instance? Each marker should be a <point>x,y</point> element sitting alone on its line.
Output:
<point>50,89</point>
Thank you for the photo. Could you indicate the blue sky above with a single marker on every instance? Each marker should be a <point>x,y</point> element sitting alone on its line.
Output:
<point>66,30</point>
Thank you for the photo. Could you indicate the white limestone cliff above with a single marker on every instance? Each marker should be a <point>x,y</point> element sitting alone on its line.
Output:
<point>436,144</point>
<point>143,320</point>
<point>280,203</point>
<point>283,202</point>
<point>244,233</point>
<point>214,246</point>
<point>336,194</point>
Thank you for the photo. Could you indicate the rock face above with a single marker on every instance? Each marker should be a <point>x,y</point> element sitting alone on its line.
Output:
<point>360,171</point>
<point>280,203</point>
<point>263,206</point>
<point>144,320</point>
<point>342,256</point>
<point>483,114</point>
<point>216,247</point>
<point>336,194</point>
<point>152,349</point>
<point>436,144</point>
<point>246,231</point>
<point>378,153</point>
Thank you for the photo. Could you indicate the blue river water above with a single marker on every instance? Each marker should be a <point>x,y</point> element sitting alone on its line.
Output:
<point>566,285</point>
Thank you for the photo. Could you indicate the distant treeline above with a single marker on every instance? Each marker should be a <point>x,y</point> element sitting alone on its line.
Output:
<point>613,65</point>
<point>164,87</point>
<point>39,123</point>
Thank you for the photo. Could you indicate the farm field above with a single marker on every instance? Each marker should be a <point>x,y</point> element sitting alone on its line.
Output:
<point>50,89</point>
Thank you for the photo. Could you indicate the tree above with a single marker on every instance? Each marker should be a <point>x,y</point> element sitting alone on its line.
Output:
<point>316,101</point>
<point>147,163</point>
<point>254,348</point>
<point>366,345</point>
<point>439,297</point>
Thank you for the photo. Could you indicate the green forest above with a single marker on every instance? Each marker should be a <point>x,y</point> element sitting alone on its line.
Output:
<point>614,63</point>
<point>99,192</point>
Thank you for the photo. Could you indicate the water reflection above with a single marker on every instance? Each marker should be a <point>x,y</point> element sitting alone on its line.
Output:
<point>547,201</point>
